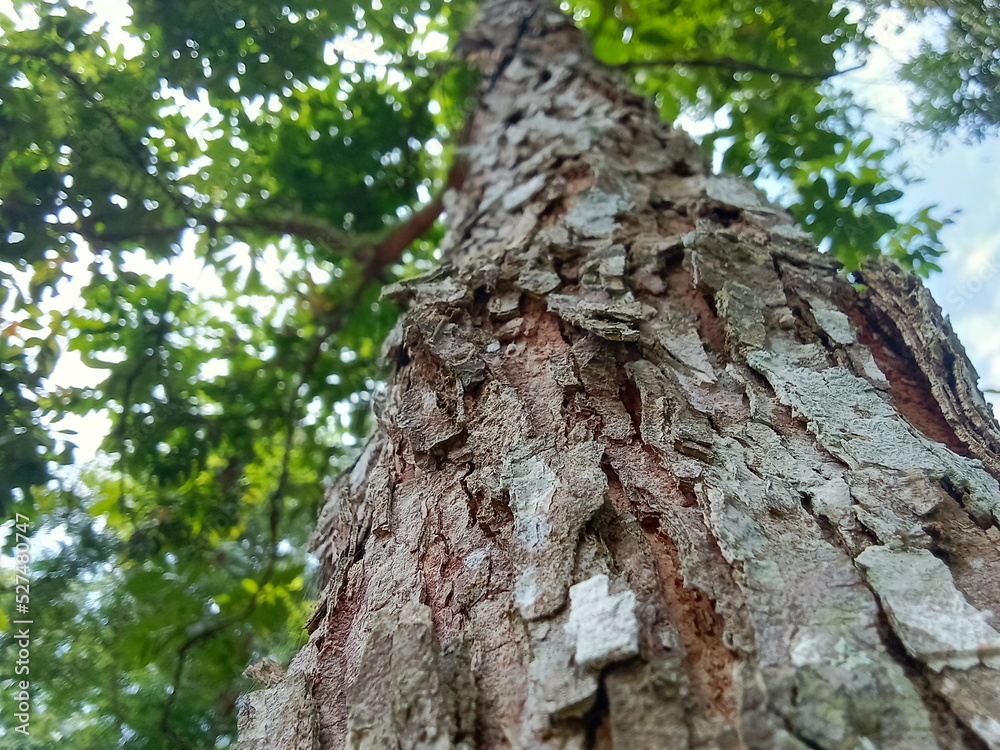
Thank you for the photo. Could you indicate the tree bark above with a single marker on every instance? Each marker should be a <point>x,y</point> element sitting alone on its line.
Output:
<point>650,471</point>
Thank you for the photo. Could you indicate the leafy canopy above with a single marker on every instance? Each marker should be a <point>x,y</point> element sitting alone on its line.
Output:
<point>194,203</point>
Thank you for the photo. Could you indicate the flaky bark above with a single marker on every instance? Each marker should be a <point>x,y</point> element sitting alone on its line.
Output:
<point>650,473</point>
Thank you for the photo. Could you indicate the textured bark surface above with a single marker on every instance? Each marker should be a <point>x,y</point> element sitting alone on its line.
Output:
<point>649,473</point>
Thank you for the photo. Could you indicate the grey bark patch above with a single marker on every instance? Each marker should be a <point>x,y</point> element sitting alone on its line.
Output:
<point>605,270</point>
<point>975,697</point>
<point>505,306</point>
<point>792,233</point>
<point>814,618</point>
<point>283,716</point>
<point>612,320</point>
<point>522,193</point>
<point>856,425</point>
<point>931,617</point>
<point>742,309</point>
<point>561,367</point>
<point>428,290</point>
<point>538,281</point>
<point>647,708</point>
<point>734,191</point>
<point>267,671</point>
<point>557,688</point>
<point>938,353</point>
<point>675,334</point>
<point>603,627</point>
<point>552,496</point>
<point>594,213</point>
<point>836,325</point>
<point>532,486</point>
<point>459,346</point>
<point>426,425</point>
<point>667,421</point>
<point>403,696</point>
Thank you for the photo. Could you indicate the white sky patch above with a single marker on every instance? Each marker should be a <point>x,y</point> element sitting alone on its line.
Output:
<point>25,19</point>
<point>356,46</point>
<point>71,369</point>
<point>42,545</point>
<point>115,14</point>
<point>431,42</point>
<point>876,84</point>
<point>198,280</point>
<point>214,368</point>
<point>85,431</point>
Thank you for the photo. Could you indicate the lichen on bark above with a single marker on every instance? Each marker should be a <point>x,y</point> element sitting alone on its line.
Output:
<point>639,382</point>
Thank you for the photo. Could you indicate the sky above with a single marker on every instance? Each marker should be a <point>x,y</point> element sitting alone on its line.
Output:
<point>962,178</point>
<point>966,178</point>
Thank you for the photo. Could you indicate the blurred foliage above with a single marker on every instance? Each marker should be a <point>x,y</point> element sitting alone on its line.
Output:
<point>957,74</point>
<point>188,199</point>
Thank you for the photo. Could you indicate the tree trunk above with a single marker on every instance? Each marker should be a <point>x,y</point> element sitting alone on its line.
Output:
<point>650,473</point>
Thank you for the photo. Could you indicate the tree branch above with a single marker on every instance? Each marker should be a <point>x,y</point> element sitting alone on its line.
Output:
<point>737,66</point>
<point>376,255</point>
<point>303,228</point>
<point>390,249</point>
<point>182,654</point>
